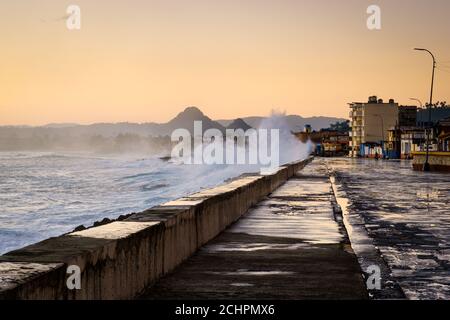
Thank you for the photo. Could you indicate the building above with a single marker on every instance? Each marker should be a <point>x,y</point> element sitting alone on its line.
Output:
<point>393,144</point>
<point>406,128</point>
<point>308,128</point>
<point>370,123</point>
<point>407,116</point>
<point>412,140</point>
<point>439,155</point>
<point>437,114</point>
<point>444,135</point>
<point>404,141</point>
<point>334,143</point>
<point>327,142</point>
<point>409,138</point>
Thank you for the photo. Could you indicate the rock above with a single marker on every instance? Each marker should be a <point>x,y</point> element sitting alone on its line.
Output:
<point>79,228</point>
<point>102,222</point>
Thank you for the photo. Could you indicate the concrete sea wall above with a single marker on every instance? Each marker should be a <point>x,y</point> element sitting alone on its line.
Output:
<point>120,259</point>
<point>439,161</point>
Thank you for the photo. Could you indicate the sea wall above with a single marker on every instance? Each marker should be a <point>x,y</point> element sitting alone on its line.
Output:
<point>120,259</point>
<point>439,161</point>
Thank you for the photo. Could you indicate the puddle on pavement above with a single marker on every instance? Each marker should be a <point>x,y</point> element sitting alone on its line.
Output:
<point>252,247</point>
<point>313,229</point>
<point>245,272</point>
<point>242,285</point>
<point>300,209</point>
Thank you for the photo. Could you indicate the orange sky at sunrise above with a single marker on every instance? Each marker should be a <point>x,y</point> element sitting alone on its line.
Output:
<point>145,61</point>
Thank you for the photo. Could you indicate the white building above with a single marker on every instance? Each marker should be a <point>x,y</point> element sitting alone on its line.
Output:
<point>370,122</point>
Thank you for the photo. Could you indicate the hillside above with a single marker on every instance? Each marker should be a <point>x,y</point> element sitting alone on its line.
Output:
<point>294,122</point>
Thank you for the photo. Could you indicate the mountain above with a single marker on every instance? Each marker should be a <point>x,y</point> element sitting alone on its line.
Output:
<point>239,124</point>
<point>60,125</point>
<point>186,118</point>
<point>68,135</point>
<point>293,122</point>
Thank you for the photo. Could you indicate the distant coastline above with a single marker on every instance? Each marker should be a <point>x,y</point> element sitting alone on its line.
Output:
<point>132,137</point>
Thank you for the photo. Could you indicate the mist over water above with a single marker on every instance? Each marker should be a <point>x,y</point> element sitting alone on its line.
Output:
<point>291,148</point>
<point>269,145</point>
<point>44,194</point>
<point>47,194</point>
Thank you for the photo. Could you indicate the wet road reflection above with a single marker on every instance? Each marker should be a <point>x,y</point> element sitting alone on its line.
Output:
<point>407,215</point>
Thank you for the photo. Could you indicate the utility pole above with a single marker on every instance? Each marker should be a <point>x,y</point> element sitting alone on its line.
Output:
<point>426,165</point>
<point>382,130</point>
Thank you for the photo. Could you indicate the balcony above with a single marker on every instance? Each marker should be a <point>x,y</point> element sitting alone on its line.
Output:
<point>354,114</point>
<point>356,124</point>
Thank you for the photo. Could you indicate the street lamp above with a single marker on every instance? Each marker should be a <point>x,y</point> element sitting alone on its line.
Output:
<point>420,102</point>
<point>382,130</point>
<point>426,165</point>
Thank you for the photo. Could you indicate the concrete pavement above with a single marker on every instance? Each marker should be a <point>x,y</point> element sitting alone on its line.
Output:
<point>292,245</point>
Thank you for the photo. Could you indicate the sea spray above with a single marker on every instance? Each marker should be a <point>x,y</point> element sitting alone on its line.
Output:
<point>291,148</point>
<point>263,149</point>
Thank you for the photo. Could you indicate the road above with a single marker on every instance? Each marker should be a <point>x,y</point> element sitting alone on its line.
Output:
<point>405,215</point>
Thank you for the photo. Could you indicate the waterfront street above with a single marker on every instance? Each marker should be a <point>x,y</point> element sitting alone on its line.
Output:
<point>293,246</point>
<point>406,215</point>
<point>289,246</point>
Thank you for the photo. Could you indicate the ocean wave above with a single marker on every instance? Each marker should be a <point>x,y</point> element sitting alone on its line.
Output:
<point>152,187</point>
<point>138,176</point>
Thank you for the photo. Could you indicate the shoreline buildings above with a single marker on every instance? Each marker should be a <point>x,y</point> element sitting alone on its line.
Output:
<point>328,142</point>
<point>388,130</point>
<point>369,124</point>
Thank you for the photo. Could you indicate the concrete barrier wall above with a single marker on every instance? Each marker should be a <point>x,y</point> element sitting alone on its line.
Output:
<point>120,259</point>
<point>439,161</point>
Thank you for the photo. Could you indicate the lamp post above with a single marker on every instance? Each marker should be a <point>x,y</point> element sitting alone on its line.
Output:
<point>426,165</point>
<point>420,102</point>
<point>382,130</point>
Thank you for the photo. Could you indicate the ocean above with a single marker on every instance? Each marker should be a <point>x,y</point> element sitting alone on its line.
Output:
<point>45,194</point>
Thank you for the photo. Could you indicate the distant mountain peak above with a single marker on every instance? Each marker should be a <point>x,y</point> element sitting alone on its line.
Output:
<point>186,118</point>
<point>194,111</point>
<point>239,124</point>
<point>290,122</point>
<point>189,114</point>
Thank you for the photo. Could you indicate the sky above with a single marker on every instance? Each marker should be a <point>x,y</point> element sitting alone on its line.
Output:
<point>145,61</point>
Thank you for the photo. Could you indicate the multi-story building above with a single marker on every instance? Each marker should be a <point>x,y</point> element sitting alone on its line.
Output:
<point>327,142</point>
<point>370,123</point>
<point>394,147</point>
<point>412,140</point>
<point>407,116</point>
<point>444,135</point>
<point>437,114</point>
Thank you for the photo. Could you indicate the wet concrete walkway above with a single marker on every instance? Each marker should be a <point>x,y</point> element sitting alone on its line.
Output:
<point>290,246</point>
<point>403,214</point>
